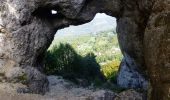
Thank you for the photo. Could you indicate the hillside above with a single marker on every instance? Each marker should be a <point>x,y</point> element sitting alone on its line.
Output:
<point>101,22</point>
<point>103,44</point>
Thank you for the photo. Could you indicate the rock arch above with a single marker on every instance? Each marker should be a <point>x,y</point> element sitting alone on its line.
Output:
<point>27,29</point>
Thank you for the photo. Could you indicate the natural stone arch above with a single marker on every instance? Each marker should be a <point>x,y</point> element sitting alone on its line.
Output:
<point>27,29</point>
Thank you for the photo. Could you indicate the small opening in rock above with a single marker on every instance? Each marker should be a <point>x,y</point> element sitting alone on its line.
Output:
<point>53,12</point>
<point>46,13</point>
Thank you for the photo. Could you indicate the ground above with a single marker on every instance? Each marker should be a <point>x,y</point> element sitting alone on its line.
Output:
<point>61,89</point>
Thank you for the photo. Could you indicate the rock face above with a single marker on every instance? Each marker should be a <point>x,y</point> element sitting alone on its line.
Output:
<point>130,28</point>
<point>27,28</point>
<point>130,95</point>
<point>130,78</point>
<point>157,50</point>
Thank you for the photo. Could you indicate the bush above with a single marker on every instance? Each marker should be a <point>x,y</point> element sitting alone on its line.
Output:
<point>63,60</point>
<point>91,68</point>
<point>110,69</point>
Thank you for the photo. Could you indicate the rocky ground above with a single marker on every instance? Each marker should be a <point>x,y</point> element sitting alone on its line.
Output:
<point>61,89</point>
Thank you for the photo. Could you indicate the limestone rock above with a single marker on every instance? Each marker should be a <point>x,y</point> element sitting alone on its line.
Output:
<point>130,95</point>
<point>59,90</point>
<point>103,95</point>
<point>157,50</point>
<point>130,78</point>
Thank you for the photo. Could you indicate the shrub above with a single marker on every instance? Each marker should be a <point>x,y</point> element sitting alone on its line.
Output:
<point>91,68</point>
<point>110,69</point>
<point>63,60</point>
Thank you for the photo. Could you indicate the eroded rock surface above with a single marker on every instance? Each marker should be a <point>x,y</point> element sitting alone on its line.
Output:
<point>27,28</point>
<point>130,78</point>
<point>157,50</point>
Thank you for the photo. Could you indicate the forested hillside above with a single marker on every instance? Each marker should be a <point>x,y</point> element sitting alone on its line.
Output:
<point>94,57</point>
<point>104,45</point>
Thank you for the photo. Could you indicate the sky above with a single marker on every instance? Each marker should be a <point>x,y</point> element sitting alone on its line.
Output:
<point>101,22</point>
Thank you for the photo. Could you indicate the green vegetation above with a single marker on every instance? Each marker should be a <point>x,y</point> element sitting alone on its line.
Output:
<point>63,60</point>
<point>91,57</point>
<point>110,70</point>
<point>104,45</point>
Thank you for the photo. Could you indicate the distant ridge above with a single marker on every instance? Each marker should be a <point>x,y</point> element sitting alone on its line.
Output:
<point>101,22</point>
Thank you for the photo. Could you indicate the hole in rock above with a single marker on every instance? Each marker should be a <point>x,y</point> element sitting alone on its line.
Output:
<point>53,12</point>
<point>46,13</point>
<point>86,54</point>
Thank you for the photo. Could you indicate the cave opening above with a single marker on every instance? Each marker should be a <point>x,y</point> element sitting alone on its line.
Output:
<point>88,52</point>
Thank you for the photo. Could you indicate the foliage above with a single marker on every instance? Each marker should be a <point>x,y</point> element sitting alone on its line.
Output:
<point>61,59</point>
<point>110,69</point>
<point>104,45</point>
